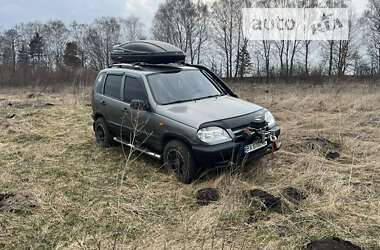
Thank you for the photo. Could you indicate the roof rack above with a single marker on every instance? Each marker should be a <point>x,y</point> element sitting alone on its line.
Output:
<point>126,66</point>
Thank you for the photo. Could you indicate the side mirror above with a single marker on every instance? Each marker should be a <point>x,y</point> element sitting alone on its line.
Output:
<point>139,105</point>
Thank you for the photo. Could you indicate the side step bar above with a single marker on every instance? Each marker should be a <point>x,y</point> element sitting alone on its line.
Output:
<point>145,151</point>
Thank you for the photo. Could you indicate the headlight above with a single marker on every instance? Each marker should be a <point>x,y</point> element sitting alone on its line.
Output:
<point>213,135</point>
<point>270,119</point>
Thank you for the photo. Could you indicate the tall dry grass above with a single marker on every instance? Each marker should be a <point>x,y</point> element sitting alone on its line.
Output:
<point>67,187</point>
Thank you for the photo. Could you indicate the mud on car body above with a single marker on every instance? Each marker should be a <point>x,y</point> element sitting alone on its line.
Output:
<point>191,119</point>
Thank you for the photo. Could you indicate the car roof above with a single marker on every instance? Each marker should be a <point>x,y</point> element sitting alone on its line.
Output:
<point>146,69</point>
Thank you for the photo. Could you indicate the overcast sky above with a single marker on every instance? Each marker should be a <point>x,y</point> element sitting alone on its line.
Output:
<point>85,11</point>
<point>13,12</point>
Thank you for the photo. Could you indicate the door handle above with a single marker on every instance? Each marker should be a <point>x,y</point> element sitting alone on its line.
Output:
<point>126,110</point>
<point>103,102</point>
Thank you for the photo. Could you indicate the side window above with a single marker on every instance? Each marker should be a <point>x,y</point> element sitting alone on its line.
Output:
<point>99,84</point>
<point>113,86</point>
<point>134,90</point>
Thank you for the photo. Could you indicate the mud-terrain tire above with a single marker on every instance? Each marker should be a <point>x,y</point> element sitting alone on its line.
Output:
<point>178,159</point>
<point>103,136</point>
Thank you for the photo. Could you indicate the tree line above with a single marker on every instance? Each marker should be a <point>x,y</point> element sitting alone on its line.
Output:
<point>210,34</point>
<point>39,53</point>
<point>213,35</point>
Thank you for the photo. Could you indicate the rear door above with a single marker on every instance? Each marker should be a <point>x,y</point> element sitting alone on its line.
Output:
<point>112,101</point>
<point>97,94</point>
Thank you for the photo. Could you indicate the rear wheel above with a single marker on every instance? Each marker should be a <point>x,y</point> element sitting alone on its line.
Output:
<point>179,160</point>
<point>103,135</point>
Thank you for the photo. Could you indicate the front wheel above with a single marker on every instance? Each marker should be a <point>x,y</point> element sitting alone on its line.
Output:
<point>179,160</point>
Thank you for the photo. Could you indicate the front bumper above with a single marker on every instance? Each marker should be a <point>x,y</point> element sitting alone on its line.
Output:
<point>231,153</point>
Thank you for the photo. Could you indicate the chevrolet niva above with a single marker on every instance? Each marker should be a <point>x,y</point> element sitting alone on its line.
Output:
<point>184,115</point>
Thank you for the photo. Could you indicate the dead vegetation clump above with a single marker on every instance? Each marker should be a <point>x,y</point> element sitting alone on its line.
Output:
<point>267,202</point>
<point>205,196</point>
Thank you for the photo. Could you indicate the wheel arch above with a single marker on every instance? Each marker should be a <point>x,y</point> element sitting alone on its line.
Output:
<point>97,116</point>
<point>172,136</point>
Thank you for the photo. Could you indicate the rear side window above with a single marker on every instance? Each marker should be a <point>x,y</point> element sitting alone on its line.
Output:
<point>99,84</point>
<point>113,86</point>
<point>133,90</point>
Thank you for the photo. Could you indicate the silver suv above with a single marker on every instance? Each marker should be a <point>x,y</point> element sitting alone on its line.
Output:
<point>181,114</point>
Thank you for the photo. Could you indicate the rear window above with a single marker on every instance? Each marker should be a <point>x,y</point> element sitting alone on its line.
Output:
<point>113,86</point>
<point>99,84</point>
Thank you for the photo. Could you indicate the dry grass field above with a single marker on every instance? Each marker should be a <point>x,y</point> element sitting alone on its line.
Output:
<point>59,190</point>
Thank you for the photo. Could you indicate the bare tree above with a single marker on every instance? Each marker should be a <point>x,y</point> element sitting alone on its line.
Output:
<point>341,52</point>
<point>227,27</point>
<point>266,53</point>
<point>168,24</point>
<point>307,53</point>
<point>131,29</point>
<point>373,17</point>
<point>202,32</point>
<point>10,40</point>
<point>182,23</point>
<point>56,35</point>
<point>78,33</point>
<point>101,36</point>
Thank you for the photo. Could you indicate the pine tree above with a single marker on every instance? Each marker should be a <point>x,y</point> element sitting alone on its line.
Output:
<point>36,47</point>
<point>245,64</point>
<point>71,55</point>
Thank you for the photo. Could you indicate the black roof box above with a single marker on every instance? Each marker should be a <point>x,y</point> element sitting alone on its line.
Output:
<point>151,52</point>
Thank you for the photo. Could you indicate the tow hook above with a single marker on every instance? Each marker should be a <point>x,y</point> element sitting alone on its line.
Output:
<point>273,139</point>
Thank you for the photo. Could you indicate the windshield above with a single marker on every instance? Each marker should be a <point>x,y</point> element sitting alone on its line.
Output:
<point>181,86</point>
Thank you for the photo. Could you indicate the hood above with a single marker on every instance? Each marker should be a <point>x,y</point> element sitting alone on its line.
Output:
<point>209,110</point>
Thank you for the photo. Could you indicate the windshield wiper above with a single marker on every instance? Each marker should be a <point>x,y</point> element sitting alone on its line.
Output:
<point>192,100</point>
<point>176,102</point>
<point>206,97</point>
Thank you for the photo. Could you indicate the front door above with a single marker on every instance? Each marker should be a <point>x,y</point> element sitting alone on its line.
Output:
<point>135,123</point>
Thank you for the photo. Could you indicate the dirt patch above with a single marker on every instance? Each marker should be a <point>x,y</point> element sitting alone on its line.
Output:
<point>19,105</point>
<point>11,132</point>
<point>33,95</point>
<point>293,195</point>
<point>268,201</point>
<point>319,144</point>
<point>11,116</point>
<point>16,203</point>
<point>206,196</point>
<point>331,243</point>
<point>4,197</point>
<point>30,114</point>
<point>332,155</point>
